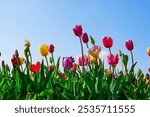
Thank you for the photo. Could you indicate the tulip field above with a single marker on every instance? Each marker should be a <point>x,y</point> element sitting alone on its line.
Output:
<point>82,78</point>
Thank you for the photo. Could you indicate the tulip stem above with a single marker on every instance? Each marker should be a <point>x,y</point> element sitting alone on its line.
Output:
<point>53,59</point>
<point>46,61</point>
<point>132,60</point>
<point>87,45</point>
<point>30,56</point>
<point>110,53</point>
<point>82,54</point>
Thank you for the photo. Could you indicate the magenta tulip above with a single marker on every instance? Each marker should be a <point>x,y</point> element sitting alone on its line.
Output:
<point>107,42</point>
<point>112,59</point>
<point>84,38</point>
<point>129,45</point>
<point>77,29</point>
<point>67,62</point>
<point>80,61</point>
<point>51,48</point>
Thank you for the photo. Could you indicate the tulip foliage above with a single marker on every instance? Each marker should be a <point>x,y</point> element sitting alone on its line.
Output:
<point>82,78</point>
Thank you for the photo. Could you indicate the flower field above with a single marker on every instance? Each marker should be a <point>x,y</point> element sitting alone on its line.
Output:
<point>82,78</point>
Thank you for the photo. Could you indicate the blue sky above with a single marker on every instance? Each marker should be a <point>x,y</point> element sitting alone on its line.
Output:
<point>51,21</point>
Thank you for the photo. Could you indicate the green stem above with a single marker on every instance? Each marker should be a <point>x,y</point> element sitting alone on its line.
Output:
<point>87,45</point>
<point>53,59</point>
<point>132,60</point>
<point>30,56</point>
<point>110,53</point>
<point>46,61</point>
<point>82,54</point>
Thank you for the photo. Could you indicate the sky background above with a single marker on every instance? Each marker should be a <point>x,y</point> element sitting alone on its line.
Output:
<point>51,21</point>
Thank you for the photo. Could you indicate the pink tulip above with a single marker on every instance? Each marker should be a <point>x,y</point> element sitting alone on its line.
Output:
<point>84,38</point>
<point>107,42</point>
<point>94,51</point>
<point>80,61</point>
<point>112,59</point>
<point>77,29</point>
<point>129,45</point>
<point>67,62</point>
<point>51,48</point>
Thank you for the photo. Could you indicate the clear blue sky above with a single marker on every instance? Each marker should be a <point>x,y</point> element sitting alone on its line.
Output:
<point>51,21</point>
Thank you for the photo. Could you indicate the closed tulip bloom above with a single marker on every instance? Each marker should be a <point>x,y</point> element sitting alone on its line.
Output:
<point>43,49</point>
<point>112,59</point>
<point>77,29</point>
<point>148,51</point>
<point>67,62</point>
<point>93,59</point>
<point>80,60</point>
<point>15,61</point>
<point>129,45</point>
<point>84,38</point>
<point>51,48</point>
<point>75,66</point>
<point>27,43</point>
<point>149,69</point>
<point>94,51</point>
<point>107,42</point>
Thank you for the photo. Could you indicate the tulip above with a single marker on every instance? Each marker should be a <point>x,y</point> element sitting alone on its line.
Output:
<point>67,62</point>
<point>51,48</point>
<point>129,45</point>
<point>84,38</point>
<point>80,61</point>
<point>107,42</point>
<point>94,51</point>
<point>148,51</point>
<point>27,43</point>
<point>35,67</point>
<point>52,67</point>
<point>15,61</point>
<point>78,32</point>
<point>107,71</point>
<point>43,49</point>
<point>113,59</point>
<point>77,29</point>
<point>149,69</point>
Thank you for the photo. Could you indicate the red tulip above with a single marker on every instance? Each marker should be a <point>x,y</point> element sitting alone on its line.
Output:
<point>84,38</point>
<point>77,29</point>
<point>149,69</point>
<point>35,67</point>
<point>15,61</point>
<point>129,45</point>
<point>113,59</point>
<point>107,42</point>
<point>51,48</point>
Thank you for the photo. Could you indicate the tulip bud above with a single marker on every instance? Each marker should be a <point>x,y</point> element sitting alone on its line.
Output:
<point>51,60</point>
<point>77,29</point>
<point>51,48</point>
<point>107,42</point>
<point>148,51</point>
<point>92,40</point>
<point>27,43</point>
<point>125,59</point>
<point>119,53</point>
<point>129,45</point>
<point>84,38</point>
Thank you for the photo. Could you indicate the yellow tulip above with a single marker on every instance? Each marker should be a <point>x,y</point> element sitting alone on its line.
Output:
<point>43,49</point>
<point>21,60</point>
<point>148,51</point>
<point>108,72</point>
